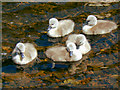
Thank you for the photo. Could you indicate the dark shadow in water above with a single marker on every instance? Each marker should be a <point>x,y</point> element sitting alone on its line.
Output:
<point>9,69</point>
<point>43,41</point>
<point>47,66</point>
<point>8,66</point>
<point>41,54</point>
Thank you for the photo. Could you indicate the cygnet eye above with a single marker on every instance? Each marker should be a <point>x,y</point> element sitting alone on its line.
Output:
<point>16,53</point>
<point>88,21</point>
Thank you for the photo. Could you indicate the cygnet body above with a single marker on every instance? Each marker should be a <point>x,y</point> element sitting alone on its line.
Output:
<point>60,28</point>
<point>94,26</point>
<point>80,41</point>
<point>24,53</point>
<point>64,54</point>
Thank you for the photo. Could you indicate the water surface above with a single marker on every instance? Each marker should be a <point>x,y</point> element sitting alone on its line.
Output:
<point>28,22</point>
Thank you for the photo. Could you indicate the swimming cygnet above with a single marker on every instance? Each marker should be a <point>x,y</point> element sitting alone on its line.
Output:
<point>60,28</point>
<point>64,54</point>
<point>24,53</point>
<point>94,26</point>
<point>81,42</point>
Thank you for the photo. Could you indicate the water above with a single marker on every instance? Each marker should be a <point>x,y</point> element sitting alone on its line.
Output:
<point>28,22</point>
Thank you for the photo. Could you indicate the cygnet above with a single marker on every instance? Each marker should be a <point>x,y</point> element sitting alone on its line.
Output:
<point>80,41</point>
<point>64,54</point>
<point>60,28</point>
<point>24,53</point>
<point>94,26</point>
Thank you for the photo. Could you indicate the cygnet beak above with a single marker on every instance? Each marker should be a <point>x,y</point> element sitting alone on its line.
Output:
<point>22,55</point>
<point>49,28</point>
<point>71,53</point>
<point>86,23</point>
<point>77,46</point>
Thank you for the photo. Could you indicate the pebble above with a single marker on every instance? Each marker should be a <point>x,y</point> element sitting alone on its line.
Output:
<point>3,53</point>
<point>11,22</point>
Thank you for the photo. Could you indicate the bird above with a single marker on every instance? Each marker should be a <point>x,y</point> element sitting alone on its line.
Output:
<point>80,41</point>
<point>94,26</point>
<point>24,53</point>
<point>67,53</point>
<point>60,28</point>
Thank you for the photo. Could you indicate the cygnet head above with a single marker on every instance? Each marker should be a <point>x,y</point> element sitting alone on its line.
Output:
<point>71,47</point>
<point>20,49</point>
<point>53,23</point>
<point>91,20</point>
<point>81,39</point>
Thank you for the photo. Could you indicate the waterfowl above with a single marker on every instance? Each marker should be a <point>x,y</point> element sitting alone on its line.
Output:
<point>60,28</point>
<point>80,41</point>
<point>94,26</point>
<point>64,54</point>
<point>24,53</point>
